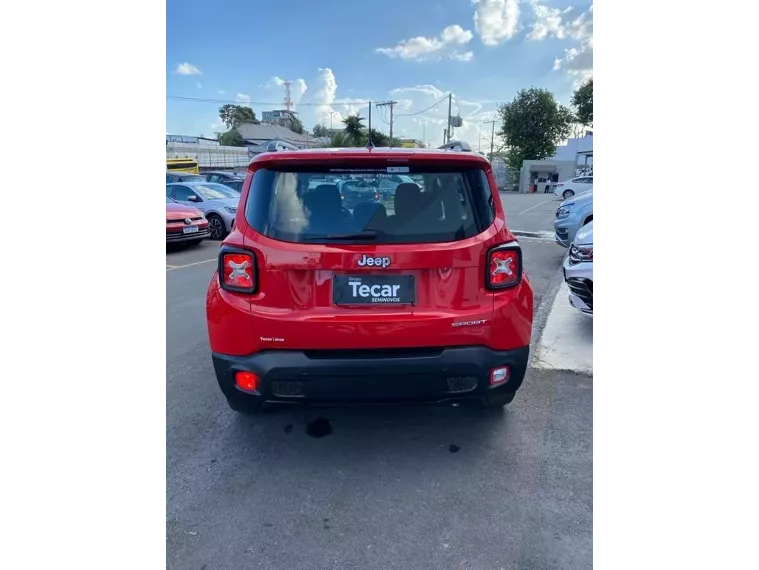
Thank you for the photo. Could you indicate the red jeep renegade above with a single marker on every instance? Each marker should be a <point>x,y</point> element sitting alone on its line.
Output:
<point>415,293</point>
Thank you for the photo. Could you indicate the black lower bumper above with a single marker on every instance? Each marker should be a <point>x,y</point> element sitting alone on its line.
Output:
<point>335,377</point>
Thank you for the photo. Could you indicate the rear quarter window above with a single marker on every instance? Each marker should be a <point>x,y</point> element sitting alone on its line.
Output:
<point>306,206</point>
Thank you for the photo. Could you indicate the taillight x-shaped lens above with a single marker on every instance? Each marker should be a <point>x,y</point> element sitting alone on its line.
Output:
<point>504,268</point>
<point>238,270</point>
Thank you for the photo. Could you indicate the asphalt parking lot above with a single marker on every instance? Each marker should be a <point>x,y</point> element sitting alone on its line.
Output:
<point>418,487</point>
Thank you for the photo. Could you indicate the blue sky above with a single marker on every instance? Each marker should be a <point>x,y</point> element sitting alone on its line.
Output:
<point>338,54</point>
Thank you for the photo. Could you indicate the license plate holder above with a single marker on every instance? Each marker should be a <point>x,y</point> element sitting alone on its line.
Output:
<point>190,230</point>
<point>374,290</point>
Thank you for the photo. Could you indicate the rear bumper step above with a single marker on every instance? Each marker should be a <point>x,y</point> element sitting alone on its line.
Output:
<point>382,376</point>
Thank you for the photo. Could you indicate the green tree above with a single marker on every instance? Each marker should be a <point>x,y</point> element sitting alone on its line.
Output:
<point>321,131</point>
<point>533,124</point>
<point>230,138</point>
<point>338,140</point>
<point>354,128</point>
<point>582,101</point>
<point>378,138</point>
<point>234,115</point>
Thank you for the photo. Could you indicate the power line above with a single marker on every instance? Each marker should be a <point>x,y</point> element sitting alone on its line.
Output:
<point>275,103</point>
<point>423,110</point>
<point>390,104</point>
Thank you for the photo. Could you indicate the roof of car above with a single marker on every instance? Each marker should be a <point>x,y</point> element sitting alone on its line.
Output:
<point>194,183</point>
<point>230,173</point>
<point>379,154</point>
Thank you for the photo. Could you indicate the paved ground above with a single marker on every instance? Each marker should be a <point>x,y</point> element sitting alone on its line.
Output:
<point>438,487</point>
<point>530,212</point>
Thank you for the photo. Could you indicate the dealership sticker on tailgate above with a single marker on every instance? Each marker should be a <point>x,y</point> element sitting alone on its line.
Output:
<point>373,290</point>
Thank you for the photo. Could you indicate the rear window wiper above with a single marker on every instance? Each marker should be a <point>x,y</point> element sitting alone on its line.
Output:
<point>366,234</point>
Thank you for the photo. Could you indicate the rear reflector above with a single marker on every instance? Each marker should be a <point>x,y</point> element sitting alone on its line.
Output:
<point>504,267</point>
<point>237,270</point>
<point>246,381</point>
<point>499,375</point>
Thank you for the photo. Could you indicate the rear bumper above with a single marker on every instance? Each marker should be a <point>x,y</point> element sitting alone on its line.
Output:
<point>178,237</point>
<point>335,377</point>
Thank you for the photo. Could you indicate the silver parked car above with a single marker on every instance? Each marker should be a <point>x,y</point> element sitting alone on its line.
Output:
<point>216,201</point>
<point>578,270</point>
<point>571,216</point>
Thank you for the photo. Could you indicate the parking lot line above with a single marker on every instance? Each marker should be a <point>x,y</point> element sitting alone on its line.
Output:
<point>536,205</point>
<point>173,267</point>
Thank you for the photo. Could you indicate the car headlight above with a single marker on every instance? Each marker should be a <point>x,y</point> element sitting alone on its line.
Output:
<point>581,253</point>
<point>231,210</point>
<point>564,211</point>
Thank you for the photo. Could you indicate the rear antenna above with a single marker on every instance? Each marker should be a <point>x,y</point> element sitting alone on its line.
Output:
<point>369,143</point>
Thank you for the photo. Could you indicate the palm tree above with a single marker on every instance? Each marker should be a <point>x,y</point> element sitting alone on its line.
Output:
<point>353,128</point>
<point>378,138</point>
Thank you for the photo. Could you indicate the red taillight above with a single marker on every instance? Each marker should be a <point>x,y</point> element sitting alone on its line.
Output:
<point>504,267</point>
<point>237,270</point>
<point>246,381</point>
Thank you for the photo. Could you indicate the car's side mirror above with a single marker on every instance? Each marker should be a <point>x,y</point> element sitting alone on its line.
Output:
<point>193,199</point>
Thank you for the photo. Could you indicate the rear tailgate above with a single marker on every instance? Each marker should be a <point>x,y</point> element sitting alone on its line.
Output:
<point>400,289</point>
<point>322,297</point>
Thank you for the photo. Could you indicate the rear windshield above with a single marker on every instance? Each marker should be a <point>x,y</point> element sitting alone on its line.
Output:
<point>370,206</point>
<point>213,191</point>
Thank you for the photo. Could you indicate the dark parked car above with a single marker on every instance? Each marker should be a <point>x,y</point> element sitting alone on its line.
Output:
<point>235,185</point>
<point>183,177</point>
<point>222,176</point>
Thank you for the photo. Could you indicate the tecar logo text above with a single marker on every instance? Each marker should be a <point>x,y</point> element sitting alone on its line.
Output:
<point>366,261</point>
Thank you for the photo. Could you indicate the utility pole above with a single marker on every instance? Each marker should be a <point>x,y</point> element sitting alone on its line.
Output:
<point>492,137</point>
<point>450,101</point>
<point>390,104</point>
<point>330,122</point>
<point>369,132</point>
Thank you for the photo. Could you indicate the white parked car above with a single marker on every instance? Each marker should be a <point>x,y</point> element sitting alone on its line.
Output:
<point>578,270</point>
<point>577,185</point>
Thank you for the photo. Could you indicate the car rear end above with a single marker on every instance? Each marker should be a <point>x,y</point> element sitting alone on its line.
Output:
<point>353,194</point>
<point>421,301</point>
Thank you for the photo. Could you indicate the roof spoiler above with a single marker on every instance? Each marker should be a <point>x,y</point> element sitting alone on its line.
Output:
<point>456,145</point>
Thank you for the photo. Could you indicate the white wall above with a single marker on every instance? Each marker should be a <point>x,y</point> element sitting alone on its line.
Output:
<point>569,151</point>
<point>210,156</point>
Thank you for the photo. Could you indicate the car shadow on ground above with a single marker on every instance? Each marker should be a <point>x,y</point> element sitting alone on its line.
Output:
<point>401,431</point>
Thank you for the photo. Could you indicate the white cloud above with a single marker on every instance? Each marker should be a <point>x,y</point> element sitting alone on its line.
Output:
<point>188,69</point>
<point>547,22</point>
<point>425,89</point>
<point>550,22</point>
<point>577,62</point>
<point>324,95</point>
<point>496,21</point>
<point>242,98</point>
<point>298,88</point>
<point>273,81</point>
<point>421,48</point>
<point>466,56</point>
